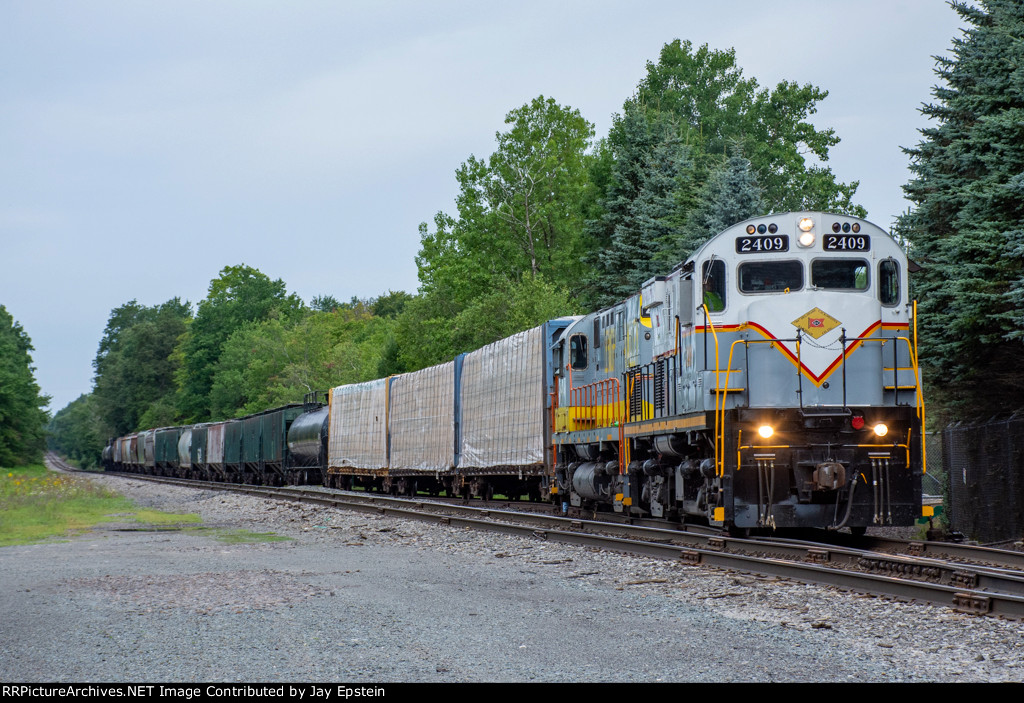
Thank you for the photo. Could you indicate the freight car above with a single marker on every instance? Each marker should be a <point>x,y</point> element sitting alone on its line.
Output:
<point>769,381</point>
<point>475,426</point>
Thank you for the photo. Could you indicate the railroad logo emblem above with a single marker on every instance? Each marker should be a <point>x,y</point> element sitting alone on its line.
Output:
<point>816,323</point>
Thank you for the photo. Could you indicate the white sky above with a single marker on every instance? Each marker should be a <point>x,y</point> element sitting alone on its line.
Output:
<point>144,146</point>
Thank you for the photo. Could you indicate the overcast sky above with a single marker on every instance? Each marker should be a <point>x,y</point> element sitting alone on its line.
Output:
<point>146,145</point>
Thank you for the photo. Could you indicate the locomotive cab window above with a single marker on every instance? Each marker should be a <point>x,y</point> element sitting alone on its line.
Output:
<point>771,276</point>
<point>714,285</point>
<point>889,282</point>
<point>578,351</point>
<point>839,274</point>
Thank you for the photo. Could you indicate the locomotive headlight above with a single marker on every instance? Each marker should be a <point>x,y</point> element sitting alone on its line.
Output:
<point>765,431</point>
<point>806,227</point>
<point>881,430</point>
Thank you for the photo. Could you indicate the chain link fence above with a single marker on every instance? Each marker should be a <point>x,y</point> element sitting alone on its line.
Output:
<point>935,483</point>
<point>984,465</point>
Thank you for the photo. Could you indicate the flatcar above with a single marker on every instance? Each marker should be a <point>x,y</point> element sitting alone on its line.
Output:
<point>770,381</point>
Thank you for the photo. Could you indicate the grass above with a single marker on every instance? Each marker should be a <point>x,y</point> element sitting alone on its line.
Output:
<point>37,504</point>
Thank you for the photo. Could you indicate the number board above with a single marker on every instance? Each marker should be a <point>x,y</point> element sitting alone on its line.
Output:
<point>846,242</point>
<point>762,245</point>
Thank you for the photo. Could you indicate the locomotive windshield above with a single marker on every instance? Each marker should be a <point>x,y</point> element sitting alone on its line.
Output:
<point>771,276</point>
<point>840,274</point>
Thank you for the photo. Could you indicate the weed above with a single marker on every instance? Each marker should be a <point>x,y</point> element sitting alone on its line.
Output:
<point>36,504</point>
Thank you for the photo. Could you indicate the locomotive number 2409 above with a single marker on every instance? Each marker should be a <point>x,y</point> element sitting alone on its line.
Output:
<point>760,245</point>
<point>846,242</point>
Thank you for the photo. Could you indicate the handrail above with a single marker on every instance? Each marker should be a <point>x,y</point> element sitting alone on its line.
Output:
<point>719,460</point>
<point>724,392</point>
<point>605,414</point>
<point>721,394</point>
<point>920,397</point>
<point>924,444</point>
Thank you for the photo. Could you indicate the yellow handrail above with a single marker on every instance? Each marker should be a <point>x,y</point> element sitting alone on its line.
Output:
<point>719,460</point>
<point>724,392</point>
<point>912,348</point>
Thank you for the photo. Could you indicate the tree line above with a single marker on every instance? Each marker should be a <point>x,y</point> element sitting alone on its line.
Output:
<point>557,221</point>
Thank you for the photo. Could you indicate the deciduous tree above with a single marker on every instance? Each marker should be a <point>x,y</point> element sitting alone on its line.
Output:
<point>23,416</point>
<point>238,296</point>
<point>135,367</point>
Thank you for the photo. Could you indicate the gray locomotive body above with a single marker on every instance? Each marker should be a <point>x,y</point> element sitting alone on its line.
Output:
<point>769,381</point>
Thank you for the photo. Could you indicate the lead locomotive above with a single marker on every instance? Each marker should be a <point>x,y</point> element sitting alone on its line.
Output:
<point>769,381</point>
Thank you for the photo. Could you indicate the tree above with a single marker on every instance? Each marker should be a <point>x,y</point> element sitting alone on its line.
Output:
<point>324,303</point>
<point>135,366</point>
<point>668,145</point>
<point>518,235</point>
<point>391,304</point>
<point>239,296</point>
<point>715,106</point>
<point>536,180</point>
<point>277,361</point>
<point>518,211</point>
<point>22,407</point>
<point>966,227</point>
<point>428,337</point>
<point>76,432</point>
<point>647,197</point>
<point>730,195</point>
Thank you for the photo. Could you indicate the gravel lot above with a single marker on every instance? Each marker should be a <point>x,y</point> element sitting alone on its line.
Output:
<point>356,598</point>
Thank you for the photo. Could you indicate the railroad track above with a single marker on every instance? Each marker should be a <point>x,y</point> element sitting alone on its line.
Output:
<point>966,578</point>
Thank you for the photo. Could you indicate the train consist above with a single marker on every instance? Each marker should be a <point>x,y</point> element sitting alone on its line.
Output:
<point>769,381</point>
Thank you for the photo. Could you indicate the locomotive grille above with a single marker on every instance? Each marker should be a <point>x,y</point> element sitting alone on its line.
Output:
<point>660,383</point>
<point>635,384</point>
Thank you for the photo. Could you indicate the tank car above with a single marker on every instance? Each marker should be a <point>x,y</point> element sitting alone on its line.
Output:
<point>307,442</point>
<point>768,381</point>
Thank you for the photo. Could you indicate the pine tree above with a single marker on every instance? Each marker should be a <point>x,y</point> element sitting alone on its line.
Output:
<point>967,224</point>
<point>648,190</point>
<point>730,195</point>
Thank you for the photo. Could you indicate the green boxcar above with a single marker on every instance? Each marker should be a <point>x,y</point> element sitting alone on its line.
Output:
<point>167,450</point>
<point>233,450</point>
<point>251,446</point>
<point>200,460</point>
<point>265,443</point>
